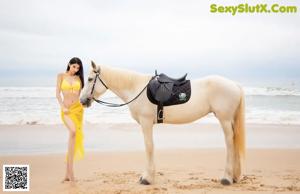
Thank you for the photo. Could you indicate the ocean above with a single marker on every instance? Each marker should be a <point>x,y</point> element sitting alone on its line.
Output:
<point>38,105</point>
<point>105,127</point>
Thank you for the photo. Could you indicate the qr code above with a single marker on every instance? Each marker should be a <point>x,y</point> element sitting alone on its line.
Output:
<point>16,178</point>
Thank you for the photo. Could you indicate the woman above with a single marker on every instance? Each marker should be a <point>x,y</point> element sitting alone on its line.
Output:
<point>69,84</point>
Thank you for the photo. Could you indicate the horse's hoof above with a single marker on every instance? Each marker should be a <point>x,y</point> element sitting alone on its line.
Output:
<point>236,179</point>
<point>144,181</point>
<point>225,182</point>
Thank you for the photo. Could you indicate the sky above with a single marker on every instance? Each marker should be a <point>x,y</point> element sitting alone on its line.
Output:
<point>38,38</point>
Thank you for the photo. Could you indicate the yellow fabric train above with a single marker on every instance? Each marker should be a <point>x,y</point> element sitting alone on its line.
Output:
<point>76,115</point>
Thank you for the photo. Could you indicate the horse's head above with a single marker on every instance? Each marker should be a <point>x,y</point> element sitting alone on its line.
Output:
<point>94,86</point>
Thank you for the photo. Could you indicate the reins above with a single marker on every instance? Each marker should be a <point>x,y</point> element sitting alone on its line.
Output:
<point>109,104</point>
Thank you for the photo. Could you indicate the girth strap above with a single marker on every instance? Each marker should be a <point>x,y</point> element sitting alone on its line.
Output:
<point>160,113</point>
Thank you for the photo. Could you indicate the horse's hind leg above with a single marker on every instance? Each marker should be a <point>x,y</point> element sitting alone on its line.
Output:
<point>148,175</point>
<point>229,135</point>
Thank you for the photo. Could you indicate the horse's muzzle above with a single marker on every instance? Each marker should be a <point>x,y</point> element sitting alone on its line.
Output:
<point>86,102</point>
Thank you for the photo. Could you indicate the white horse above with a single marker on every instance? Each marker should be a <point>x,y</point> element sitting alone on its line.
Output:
<point>214,94</point>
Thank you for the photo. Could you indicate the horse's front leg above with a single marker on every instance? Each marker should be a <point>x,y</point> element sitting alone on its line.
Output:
<point>148,175</point>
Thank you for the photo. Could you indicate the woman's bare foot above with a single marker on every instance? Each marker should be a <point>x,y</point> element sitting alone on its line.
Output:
<point>72,179</point>
<point>66,179</point>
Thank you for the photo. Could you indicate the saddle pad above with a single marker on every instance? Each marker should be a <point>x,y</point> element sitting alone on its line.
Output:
<point>180,94</point>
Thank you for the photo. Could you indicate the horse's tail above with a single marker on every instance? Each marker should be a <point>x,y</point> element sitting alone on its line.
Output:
<point>239,128</point>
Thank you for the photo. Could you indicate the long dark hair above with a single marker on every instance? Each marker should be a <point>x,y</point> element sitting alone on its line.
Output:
<point>76,60</point>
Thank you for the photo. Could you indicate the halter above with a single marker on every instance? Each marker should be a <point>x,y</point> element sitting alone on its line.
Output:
<point>109,104</point>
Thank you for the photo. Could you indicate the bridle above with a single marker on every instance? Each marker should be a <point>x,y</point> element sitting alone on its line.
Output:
<point>108,103</point>
<point>97,76</point>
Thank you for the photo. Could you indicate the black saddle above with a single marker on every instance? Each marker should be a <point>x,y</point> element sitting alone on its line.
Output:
<point>163,78</point>
<point>163,90</point>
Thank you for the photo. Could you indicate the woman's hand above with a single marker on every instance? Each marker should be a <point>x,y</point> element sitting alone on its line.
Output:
<point>65,110</point>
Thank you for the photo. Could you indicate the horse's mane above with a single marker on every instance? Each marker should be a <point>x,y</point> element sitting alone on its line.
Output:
<point>121,78</point>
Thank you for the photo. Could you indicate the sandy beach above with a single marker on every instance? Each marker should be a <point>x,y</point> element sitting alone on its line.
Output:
<point>269,167</point>
<point>178,171</point>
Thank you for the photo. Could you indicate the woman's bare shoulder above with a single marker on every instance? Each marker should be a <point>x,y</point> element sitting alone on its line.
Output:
<point>60,75</point>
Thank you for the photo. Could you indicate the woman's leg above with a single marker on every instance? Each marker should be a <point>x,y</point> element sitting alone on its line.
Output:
<point>71,147</point>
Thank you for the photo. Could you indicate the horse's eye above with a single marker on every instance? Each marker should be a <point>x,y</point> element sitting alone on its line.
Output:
<point>90,79</point>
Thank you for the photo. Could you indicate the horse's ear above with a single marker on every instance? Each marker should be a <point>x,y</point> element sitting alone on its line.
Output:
<point>94,65</point>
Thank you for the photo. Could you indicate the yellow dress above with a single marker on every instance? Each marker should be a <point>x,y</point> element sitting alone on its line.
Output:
<point>76,115</point>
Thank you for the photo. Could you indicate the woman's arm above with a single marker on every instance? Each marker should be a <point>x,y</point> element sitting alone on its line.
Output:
<point>58,90</point>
